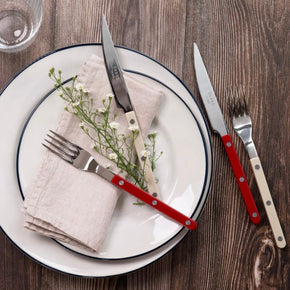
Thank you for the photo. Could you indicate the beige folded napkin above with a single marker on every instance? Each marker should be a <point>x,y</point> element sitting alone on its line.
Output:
<point>75,206</point>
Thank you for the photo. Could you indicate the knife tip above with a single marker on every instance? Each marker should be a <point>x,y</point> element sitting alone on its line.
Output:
<point>104,19</point>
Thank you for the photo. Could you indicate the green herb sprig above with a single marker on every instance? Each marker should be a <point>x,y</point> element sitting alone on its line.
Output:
<point>100,125</point>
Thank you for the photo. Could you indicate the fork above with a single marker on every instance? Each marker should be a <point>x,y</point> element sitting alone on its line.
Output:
<point>243,126</point>
<point>83,160</point>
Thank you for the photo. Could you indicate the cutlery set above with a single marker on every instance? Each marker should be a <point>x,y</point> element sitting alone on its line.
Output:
<point>243,127</point>
<point>242,124</point>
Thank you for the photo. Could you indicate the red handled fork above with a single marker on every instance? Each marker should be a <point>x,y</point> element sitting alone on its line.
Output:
<point>83,160</point>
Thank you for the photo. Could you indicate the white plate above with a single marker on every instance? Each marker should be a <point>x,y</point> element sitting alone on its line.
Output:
<point>16,103</point>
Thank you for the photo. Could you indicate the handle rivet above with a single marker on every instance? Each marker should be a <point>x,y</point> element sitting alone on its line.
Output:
<point>229,144</point>
<point>268,202</point>
<point>132,121</point>
<point>154,194</point>
<point>121,182</point>
<point>280,239</point>
<point>241,179</point>
<point>254,214</point>
<point>257,167</point>
<point>154,202</point>
<point>188,222</point>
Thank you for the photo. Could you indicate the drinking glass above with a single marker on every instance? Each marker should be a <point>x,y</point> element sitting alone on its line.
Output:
<point>19,23</point>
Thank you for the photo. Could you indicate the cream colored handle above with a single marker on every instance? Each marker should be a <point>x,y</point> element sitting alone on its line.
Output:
<point>268,202</point>
<point>139,146</point>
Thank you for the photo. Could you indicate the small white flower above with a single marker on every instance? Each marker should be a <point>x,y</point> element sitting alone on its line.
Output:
<point>86,91</point>
<point>133,128</point>
<point>81,124</point>
<point>109,95</point>
<point>102,110</point>
<point>108,166</point>
<point>79,86</point>
<point>152,134</point>
<point>145,153</point>
<point>93,146</point>
<point>113,156</point>
<point>75,104</point>
<point>114,125</point>
<point>60,94</point>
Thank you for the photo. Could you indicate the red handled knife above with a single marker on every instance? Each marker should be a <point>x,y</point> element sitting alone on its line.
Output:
<point>217,122</point>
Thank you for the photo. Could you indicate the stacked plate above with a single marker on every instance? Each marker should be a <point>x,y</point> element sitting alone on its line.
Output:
<point>138,235</point>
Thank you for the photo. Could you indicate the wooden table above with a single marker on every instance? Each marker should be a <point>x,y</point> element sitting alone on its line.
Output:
<point>244,43</point>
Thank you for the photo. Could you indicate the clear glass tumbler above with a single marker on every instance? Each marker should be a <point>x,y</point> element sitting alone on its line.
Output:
<point>19,23</point>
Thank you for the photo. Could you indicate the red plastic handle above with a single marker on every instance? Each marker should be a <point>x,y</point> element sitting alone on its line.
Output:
<point>241,179</point>
<point>154,202</point>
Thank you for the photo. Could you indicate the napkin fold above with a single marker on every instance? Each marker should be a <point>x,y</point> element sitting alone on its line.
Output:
<point>68,204</point>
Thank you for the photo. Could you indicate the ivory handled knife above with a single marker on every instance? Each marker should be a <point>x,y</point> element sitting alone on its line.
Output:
<point>122,97</point>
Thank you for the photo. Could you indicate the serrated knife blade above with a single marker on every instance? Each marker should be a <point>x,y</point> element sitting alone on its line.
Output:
<point>114,70</point>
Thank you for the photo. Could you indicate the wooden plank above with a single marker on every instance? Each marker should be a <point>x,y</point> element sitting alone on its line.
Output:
<point>243,43</point>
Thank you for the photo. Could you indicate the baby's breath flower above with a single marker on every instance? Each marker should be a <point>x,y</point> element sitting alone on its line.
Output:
<point>79,86</point>
<point>75,104</point>
<point>86,91</point>
<point>109,95</point>
<point>133,128</point>
<point>102,110</point>
<point>145,153</point>
<point>108,166</point>
<point>152,134</point>
<point>113,156</point>
<point>60,94</point>
<point>114,125</point>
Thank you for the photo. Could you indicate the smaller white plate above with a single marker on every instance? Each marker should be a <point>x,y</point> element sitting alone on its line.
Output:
<point>135,230</point>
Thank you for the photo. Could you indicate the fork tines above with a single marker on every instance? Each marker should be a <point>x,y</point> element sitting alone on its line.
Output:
<point>61,147</point>
<point>237,103</point>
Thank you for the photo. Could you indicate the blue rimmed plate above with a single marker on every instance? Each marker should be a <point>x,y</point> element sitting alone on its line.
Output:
<point>184,171</point>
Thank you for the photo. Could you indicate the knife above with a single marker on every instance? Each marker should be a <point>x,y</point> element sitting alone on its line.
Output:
<point>218,124</point>
<point>121,93</point>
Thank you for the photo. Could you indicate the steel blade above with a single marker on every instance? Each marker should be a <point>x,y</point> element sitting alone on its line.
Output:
<point>114,70</point>
<point>208,96</point>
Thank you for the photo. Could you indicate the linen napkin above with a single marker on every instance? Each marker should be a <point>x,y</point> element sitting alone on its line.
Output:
<point>75,206</point>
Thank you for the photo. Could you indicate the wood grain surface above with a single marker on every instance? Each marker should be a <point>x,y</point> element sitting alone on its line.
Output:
<point>244,43</point>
